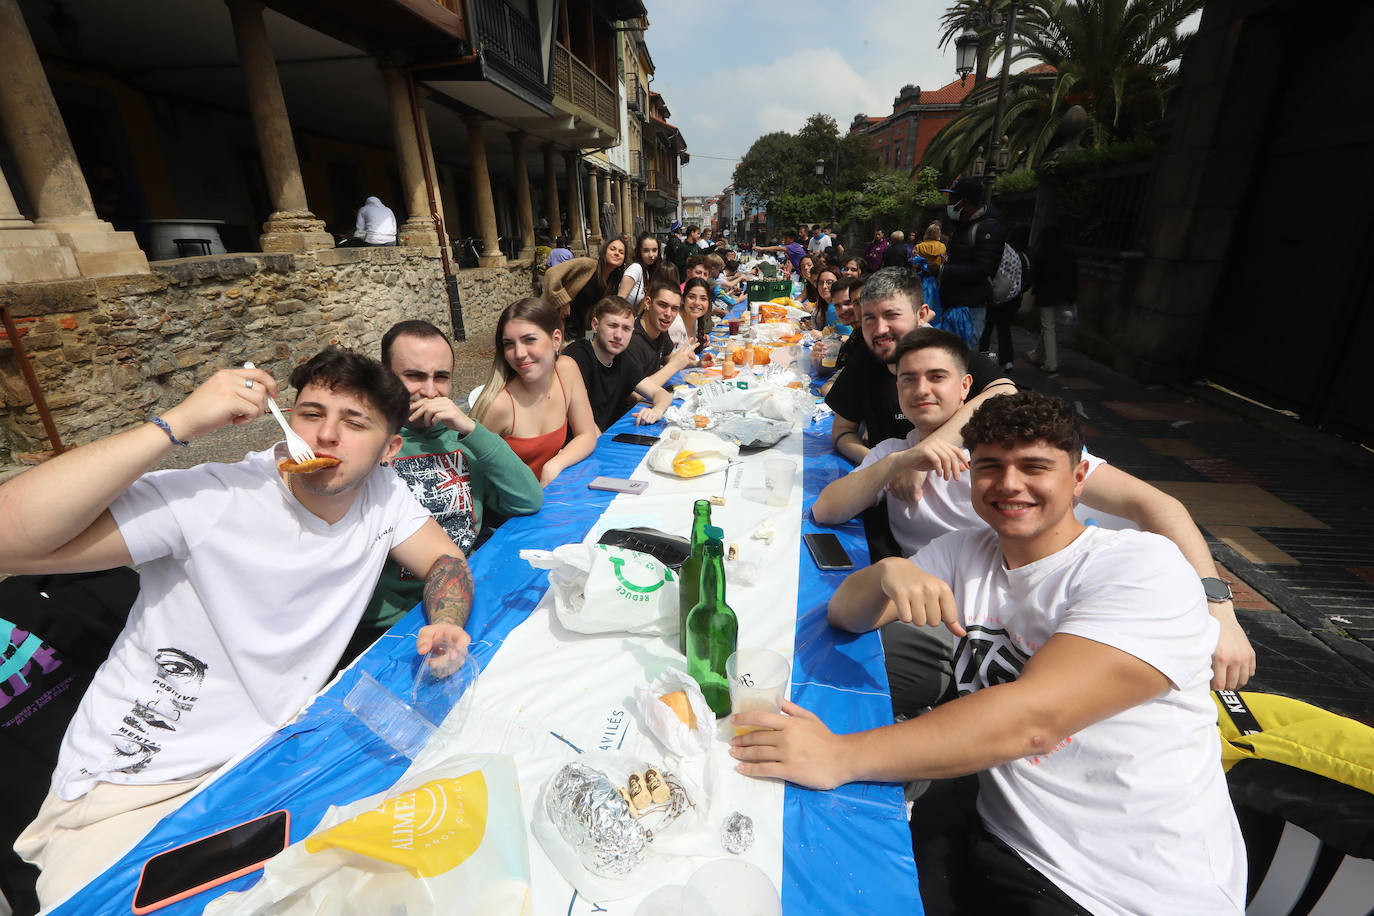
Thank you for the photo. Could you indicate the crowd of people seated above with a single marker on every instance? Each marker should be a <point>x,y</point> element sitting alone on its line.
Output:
<point>1098,776</point>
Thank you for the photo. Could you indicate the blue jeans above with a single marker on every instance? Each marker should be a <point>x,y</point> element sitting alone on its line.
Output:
<point>979,316</point>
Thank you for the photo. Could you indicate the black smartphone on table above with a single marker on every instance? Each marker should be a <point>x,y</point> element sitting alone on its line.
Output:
<point>827,550</point>
<point>635,438</point>
<point>188,869</point>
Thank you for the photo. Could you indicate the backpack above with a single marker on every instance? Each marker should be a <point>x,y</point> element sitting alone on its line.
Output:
<point>1006,281</point>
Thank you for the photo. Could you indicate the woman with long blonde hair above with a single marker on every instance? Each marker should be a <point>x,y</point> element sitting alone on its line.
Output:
<point>536,400</point>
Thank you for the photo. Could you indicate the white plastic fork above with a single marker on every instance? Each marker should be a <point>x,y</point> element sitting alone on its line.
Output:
<point>295,445</point>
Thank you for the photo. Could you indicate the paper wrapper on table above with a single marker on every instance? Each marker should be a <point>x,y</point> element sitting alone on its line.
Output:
<point>659,720</point>
<point>449,832</point>
<point>598,588</point>
<point>711,451</point>
<point>596,843</point>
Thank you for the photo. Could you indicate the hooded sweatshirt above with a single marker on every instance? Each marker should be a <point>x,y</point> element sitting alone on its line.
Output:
<point>376,223</point>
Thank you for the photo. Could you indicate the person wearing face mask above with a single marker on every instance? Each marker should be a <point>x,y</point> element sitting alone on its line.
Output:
<point>974,253</point>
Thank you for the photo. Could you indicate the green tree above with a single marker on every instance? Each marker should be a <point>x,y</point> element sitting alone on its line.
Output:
<point>773,166</point>
<point>780,165</point>
<point>1116,58</point>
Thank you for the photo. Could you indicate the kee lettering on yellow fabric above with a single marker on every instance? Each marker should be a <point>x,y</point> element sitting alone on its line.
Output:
<point>428,831</point>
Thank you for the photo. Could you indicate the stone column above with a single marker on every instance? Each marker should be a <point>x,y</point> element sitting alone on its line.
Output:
<point>594,239</point>
<point>551,194</point>
<point>67,240</point>
<point>524,212</point>
<point>291,227</point>
<point>577,242</point>
<point>607,197</point>
<point>418,229</point>
<point>10,217</point>
<point>481,193</point>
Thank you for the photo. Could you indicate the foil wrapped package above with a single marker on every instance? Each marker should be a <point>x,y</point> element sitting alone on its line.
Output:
<point>595,821</point>
<point>737,833</point>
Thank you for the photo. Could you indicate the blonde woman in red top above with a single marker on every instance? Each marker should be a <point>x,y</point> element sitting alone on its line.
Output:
<point>536,400</point>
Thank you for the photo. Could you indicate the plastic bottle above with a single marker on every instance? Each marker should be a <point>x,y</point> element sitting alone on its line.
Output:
<point>712,630</point>
<point>689,578</point>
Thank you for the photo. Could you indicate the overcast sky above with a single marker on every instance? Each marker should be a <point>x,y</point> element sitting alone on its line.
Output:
<point>731,71</point>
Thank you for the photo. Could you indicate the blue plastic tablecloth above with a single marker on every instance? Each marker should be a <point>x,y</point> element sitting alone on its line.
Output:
<point>846,850</point>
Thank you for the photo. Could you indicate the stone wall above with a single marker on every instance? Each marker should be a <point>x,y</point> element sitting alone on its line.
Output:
<point>110,352</point>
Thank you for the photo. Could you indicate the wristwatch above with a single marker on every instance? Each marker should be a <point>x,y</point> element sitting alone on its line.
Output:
<point>1216,590</point>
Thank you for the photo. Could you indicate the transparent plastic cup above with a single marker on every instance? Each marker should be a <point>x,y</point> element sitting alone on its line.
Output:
<point>778,474</point>
<point>758,679</point>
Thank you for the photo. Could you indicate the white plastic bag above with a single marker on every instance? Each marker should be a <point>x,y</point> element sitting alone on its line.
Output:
<point>598,588</point>
<point>453,831</point>
<point>660,721</point>
<point>713,452</point>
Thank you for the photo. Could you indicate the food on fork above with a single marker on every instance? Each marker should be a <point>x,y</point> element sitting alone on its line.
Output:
<point>319,463</point>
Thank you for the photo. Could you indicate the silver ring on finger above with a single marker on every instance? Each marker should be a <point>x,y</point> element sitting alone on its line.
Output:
<point>248,383</point>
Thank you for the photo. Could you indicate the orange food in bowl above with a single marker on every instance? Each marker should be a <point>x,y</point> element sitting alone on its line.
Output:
<point>760,356</point>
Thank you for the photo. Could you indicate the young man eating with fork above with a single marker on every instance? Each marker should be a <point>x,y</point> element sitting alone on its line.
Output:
<point>252,580</point>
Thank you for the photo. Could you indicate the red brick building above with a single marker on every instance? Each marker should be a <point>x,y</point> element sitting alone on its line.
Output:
<point>900,139</point>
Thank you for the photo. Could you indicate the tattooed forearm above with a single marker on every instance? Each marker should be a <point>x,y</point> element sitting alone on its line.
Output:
<point>448,591</point>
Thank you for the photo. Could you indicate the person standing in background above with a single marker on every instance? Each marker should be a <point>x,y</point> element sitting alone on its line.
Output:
<point>1056,287</point>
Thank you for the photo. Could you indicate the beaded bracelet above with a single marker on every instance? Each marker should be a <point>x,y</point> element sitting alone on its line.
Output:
<point>162,425</point>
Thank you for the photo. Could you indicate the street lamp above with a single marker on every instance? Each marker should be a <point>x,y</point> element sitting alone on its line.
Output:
<point>965,53</point>
<point>965,50</point>
<point>833,180</point>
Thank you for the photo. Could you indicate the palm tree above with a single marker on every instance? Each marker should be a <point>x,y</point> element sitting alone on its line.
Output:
<point>1116,58</point>
<point>979,16</point>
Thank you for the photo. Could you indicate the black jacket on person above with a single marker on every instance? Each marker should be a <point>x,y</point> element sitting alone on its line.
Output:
<point>972,259</point>
<point>1056,277</point>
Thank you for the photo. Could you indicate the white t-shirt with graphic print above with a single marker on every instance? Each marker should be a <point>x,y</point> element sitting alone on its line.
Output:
<point>1131,814</point>
<point>246,602</point>
<point>944,506</point>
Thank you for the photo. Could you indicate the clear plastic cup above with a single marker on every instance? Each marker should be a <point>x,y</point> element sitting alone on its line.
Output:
<point>758,680</point>
<point>778,474</point>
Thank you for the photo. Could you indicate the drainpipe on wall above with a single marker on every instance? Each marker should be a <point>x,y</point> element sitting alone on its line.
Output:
<point>31,380</point>
<point>455,303</point>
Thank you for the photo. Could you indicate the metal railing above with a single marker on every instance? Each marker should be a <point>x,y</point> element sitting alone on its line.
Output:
<point>636,99</point>
<point>503,32</point>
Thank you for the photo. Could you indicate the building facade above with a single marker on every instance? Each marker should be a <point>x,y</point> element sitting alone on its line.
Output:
<point>156,192</point>
<point>900,138</point>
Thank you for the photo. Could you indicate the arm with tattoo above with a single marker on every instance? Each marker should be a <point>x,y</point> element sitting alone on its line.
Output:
<point>448,591</point>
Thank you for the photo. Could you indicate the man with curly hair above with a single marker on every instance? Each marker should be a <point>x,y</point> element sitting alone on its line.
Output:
<point>1082,664</point>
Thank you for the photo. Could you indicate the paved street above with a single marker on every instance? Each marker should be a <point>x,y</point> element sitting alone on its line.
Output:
<point>1287,511</point>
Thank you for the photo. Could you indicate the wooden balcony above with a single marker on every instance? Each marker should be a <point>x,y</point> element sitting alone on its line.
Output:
<point>581,93</point>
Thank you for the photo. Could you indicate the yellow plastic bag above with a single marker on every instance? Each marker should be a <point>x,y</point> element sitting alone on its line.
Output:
<point>450,831</point>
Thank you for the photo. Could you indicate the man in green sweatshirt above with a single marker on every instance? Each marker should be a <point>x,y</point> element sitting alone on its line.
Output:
<point>452,464</point>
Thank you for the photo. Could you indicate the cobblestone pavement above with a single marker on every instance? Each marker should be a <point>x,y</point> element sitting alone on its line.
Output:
<point>1288,512</point>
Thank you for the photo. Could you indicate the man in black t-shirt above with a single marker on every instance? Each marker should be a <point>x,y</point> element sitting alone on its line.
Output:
<point>612,377</point>
<point>651,349</point>
<point>864,397</point>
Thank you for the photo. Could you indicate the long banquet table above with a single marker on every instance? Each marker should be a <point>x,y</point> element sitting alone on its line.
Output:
<point>847,850</point>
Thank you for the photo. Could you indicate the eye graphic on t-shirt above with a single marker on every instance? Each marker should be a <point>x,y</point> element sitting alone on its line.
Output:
<point>176,665</point>
<point>986,657</point>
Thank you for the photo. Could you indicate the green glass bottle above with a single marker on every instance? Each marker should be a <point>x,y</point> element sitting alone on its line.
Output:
<point>689,581</point>
<point>712,630</point>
